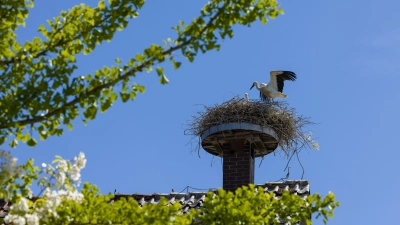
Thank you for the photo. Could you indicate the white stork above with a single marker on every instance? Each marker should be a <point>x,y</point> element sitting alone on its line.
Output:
<point>245,100</point>
<point>246,96</point>
<point>275,86</point>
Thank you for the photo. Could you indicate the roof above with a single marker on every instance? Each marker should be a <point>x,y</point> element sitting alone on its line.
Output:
<point>195,200</point>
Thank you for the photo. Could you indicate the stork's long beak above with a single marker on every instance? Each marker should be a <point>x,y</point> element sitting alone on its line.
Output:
<point>251,86</point>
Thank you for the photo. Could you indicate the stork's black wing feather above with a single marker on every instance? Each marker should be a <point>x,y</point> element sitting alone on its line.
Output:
<point>280,83</point>
<point>285,75</point>
<point>288,75</point>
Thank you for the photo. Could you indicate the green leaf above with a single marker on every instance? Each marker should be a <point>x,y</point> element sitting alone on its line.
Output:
<point>118,61</point>
<point>164,79</point>
<point>264,20</point>
<point>43,135</point>
<point>101,4</point>
<point>14,143</point>
<point>26,137</point>
<point>160,71</point>
<point>31,142</point>
<point>59,132</point>
<point>90,112</point>
<point>125,97</point>
<point>139,57</point>
<point>139,88</point>
<point>176,65</point>
<point>86,51</point>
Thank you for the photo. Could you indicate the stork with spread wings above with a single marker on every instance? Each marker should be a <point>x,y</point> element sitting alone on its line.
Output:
<point>274,88</point>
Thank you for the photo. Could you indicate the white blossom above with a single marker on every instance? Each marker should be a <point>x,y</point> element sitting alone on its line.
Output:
<point>5,155</point>
<point>60,179</point>
<point>21,206</point>
<point>30,194</point>
<point>80,160</point>
<point>14,219</point>
<point>52,197</point>
<point>71,195</point>
<point>75,173</point>
<point>315,145</point>
<point>10,165</point>
<point>62,165</point>
<point>62,193</point>
<point>32,219</point>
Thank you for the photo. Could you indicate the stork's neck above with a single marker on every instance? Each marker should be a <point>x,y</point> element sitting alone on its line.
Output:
<point>256,84</point>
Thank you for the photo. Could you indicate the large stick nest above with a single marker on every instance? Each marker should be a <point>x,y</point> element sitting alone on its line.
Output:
<point>287,124</point>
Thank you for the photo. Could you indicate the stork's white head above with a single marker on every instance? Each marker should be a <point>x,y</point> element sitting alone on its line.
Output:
<point>255,83</point>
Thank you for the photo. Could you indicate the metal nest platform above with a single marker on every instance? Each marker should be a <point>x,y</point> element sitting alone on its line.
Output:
<point>262,139</point>
<point>266,125</point>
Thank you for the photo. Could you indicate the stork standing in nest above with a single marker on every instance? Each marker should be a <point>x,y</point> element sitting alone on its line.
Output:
<point>274,88</point>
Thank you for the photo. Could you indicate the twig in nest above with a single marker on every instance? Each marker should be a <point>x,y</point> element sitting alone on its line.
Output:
<point>287,164</point>
<point>262,159</point>
<point>298,159</point>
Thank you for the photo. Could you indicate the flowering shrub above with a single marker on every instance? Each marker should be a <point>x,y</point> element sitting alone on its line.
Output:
<point>59,183</point>
<point>60,202</point>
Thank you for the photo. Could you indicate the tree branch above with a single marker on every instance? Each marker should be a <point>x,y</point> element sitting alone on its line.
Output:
<point>61,42</point>
<point>111,83</point>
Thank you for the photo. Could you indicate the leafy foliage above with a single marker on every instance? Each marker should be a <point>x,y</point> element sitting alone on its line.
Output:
<point>223,208</point>
<point>62,204</point>
<point>39,91</point>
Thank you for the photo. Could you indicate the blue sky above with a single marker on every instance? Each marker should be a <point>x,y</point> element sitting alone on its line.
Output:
<point>346,55</point>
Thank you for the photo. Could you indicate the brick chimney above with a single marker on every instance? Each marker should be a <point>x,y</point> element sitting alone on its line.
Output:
<point>238,144</point>
<point>238,164</point>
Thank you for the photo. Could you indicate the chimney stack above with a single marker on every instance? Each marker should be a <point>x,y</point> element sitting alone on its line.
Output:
<point>238,144</point>
<point>238,165</point>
